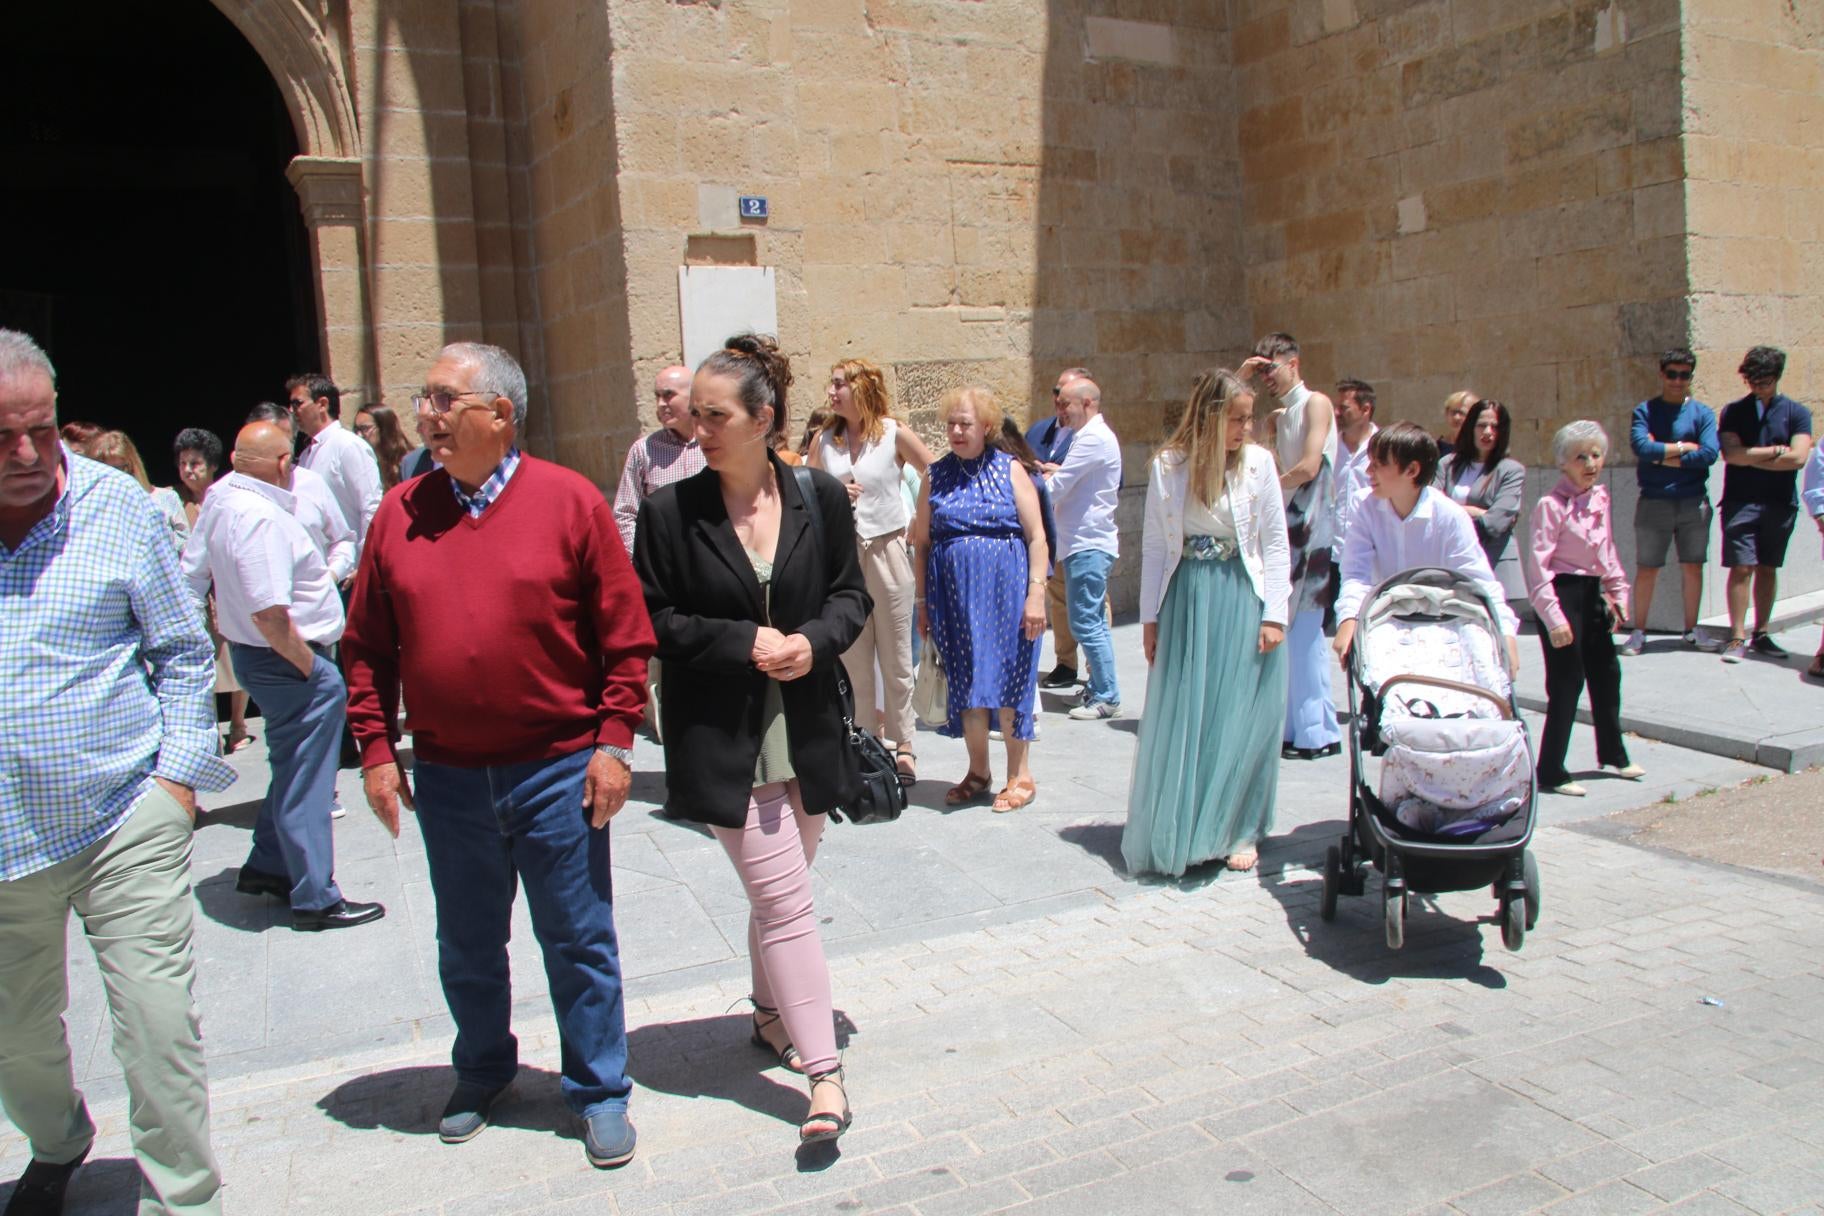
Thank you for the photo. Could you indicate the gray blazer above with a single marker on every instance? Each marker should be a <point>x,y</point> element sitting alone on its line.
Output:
<point>1501,494</point>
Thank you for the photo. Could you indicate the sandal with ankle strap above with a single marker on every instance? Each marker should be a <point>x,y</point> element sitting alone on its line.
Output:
<point>827,1125</point>
<point>906,764</point>
<point>764,1019</point>
<point>969,789</point>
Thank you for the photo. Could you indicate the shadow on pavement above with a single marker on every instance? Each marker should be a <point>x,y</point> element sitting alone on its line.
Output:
<point>410,1101</point>
<point>106,1186</point>
<point>231,814</point>
<point>224,905</point>
<point>1438,945</point>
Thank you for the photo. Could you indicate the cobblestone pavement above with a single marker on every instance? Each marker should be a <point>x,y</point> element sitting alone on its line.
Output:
<point>1079,1044</point>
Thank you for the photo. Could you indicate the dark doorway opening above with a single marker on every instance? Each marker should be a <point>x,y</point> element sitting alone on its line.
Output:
<point>148,237</point>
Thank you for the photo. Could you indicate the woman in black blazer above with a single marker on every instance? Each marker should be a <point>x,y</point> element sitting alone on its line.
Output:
<point>752,612</point>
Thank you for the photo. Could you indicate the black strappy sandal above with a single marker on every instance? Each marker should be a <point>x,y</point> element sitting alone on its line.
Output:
<point>788,1055</point>
<point>906,763</point>
<point>824,1125</point>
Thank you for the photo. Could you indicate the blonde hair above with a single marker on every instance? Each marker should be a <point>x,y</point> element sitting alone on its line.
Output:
<point>1462,399</point>
<point>981,401</point>
<point>868,388</point>
<point>116,443</point>
<point>1199,437</point>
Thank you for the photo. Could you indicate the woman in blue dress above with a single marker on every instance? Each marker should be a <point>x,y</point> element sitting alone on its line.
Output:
<point>981,592</point>
<point>1215,586</point>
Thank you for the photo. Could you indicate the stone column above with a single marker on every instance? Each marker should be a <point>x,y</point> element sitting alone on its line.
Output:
<point>330,193</point>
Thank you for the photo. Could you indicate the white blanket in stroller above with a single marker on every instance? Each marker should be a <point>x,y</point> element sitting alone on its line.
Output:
<point>1450,647</point>
<point>1454,776</point>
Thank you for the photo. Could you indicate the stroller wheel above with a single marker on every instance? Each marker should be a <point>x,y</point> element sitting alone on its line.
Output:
<point>1531,871</point>
<point>1333,881</point>
<point>1513,923</point>
<point>1393,911</point>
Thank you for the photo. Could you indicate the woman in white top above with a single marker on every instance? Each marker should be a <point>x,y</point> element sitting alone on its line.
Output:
<point>1215,586</point>
<point>865,449</point>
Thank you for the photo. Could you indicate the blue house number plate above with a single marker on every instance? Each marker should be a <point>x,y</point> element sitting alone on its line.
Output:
<point>753,206</point>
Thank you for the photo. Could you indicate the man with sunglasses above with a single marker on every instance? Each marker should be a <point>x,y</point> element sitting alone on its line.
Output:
<point>1674,440</point>
<point>1766,437</point>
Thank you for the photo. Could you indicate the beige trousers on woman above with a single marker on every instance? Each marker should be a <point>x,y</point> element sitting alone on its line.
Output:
<point>886,566</point>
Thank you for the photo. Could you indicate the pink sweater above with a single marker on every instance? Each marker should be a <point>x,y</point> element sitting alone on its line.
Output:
<point>1571,535</point>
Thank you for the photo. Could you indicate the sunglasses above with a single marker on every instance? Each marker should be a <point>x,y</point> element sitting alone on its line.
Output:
<point>1676,375</point>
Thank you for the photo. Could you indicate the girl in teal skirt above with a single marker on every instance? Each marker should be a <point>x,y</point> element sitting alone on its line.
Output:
<point>1215,581</point>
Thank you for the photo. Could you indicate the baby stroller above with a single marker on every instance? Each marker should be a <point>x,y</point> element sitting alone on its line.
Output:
<point>1431,694</point>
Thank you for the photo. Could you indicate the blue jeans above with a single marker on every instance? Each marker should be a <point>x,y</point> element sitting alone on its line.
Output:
<point>304,717</point>
<point>484,830</point>
<point>1085,589</point>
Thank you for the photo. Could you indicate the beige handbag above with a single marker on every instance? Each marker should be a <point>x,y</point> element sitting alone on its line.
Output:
<point>931,689</point>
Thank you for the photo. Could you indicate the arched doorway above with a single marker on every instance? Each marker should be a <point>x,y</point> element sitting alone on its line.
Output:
<point>148,235</point>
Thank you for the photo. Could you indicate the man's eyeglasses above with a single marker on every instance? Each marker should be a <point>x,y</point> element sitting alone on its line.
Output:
<point>441,402</point>
<point>1676,375</point>
<point>295,404</point>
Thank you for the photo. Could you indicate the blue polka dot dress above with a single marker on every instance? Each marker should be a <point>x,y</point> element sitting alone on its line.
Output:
<point>975,590</point>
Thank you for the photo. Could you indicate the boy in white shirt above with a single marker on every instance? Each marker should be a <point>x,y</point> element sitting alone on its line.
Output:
<point>1403,523</point>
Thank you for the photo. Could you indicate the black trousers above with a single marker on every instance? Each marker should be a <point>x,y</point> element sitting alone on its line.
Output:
<point>1589,659</point>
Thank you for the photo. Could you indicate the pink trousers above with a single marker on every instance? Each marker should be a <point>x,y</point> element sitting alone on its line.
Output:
<point>773,854</point>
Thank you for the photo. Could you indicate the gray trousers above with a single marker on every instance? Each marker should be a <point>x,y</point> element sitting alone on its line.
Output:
<point>131,891</point>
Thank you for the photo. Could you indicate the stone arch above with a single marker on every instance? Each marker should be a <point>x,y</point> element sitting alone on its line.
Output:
<point>306,63</point>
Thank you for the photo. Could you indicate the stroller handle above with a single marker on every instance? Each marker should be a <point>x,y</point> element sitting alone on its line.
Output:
<point>1434,576</point>
<point>1500,703</point>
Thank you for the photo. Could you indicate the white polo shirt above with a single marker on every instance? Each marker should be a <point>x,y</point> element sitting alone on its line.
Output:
<point>348,464</point>
<point>248,544</point>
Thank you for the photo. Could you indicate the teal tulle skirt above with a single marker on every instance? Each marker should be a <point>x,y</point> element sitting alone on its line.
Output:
<point>1206,773</point>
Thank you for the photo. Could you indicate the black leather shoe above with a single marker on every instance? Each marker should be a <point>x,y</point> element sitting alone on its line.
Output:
<point>343,914</point>
<point>466,1113</point>
<point>258,882</point>
<point>39,1191</point>
<point>1059,677</point>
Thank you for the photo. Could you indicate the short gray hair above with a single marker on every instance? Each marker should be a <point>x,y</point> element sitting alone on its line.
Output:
<point>19,353</point>
<point>1573,433</point>
<point>500,374</point>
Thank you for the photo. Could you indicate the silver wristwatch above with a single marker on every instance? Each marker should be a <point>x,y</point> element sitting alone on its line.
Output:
<point>623,754</point>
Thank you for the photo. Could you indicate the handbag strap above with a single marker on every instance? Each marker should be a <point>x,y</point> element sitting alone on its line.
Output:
<point>845,696</point>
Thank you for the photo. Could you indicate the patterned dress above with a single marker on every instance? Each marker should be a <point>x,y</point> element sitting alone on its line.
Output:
<point>975,590</point>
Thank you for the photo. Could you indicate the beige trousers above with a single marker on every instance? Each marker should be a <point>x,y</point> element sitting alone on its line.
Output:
<point>1063,641</point>
<point>886,567</point>
<point>131,890</point>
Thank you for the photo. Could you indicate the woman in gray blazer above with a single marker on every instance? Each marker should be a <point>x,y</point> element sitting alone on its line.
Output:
<point>1479,477</point>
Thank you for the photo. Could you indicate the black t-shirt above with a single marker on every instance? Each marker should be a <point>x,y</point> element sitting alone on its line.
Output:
<point>1784,419</point>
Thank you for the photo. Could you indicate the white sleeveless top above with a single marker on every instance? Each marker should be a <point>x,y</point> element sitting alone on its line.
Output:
<point>1289,446</point>
<point>882,506</point>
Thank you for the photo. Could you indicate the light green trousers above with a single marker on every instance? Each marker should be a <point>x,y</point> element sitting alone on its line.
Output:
<point>131,891</point>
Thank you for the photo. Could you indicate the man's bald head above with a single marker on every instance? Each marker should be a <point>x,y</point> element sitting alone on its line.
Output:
<point>262,451</point>
<point>1080,400</point>
<point>671,396</point>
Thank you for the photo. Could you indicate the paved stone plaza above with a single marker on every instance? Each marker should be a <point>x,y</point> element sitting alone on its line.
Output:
<point>1029,1029</point>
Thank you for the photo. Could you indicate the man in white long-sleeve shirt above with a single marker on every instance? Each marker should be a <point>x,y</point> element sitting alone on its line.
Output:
<point>1404,524</point>
<point>1084,491</point>
<point>316,505</point>
<point>336,454</point>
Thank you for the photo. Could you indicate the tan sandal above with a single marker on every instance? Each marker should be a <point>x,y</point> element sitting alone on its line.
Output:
<point>969,789</point>
<point>1016,795</point>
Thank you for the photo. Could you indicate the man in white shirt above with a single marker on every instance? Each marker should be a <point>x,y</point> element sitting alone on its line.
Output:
<point>335,453</point>
<point>1405,524</point>
<point>316,504</point>
<point>1354,428</point>
<point>276,603</point>
<point>1084,491</point>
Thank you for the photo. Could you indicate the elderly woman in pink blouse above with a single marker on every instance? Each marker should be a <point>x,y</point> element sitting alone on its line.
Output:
<point>1576,583</point>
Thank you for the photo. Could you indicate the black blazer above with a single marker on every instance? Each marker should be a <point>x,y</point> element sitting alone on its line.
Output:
<point>706,608</point>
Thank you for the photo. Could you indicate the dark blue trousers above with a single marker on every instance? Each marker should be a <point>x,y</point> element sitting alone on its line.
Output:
<point>485,831</point>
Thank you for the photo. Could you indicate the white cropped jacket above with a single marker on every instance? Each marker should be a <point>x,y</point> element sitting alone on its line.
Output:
<point>1260,530</point>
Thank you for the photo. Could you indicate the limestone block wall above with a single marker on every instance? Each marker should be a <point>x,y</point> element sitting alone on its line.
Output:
<point>1484,194</point>
<point>1754,150</point>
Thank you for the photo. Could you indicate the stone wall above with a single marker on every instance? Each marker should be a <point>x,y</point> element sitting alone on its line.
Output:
<point>1481,194</point>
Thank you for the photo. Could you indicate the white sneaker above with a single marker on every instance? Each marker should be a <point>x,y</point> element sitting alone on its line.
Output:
<point>336,809</point>
<point>1095,711</point>
<point>1636,642</point>
<point>1697,639</point>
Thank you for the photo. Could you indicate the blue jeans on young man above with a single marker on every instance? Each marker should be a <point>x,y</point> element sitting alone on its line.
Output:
<point>486,830</point>
<point>292,835</point>
<point>1085,590</point>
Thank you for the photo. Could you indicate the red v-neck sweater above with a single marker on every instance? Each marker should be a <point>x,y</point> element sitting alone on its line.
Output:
<point>518,635</point>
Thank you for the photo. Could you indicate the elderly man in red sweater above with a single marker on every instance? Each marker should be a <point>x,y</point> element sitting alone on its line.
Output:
<point>496,593</point>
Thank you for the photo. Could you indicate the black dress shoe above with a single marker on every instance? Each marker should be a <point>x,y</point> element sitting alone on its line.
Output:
<point>1059,677</point>
<point>258,882</point>
<point>39,1191</point>
<point>1288,752</point>
<point>343,914</point>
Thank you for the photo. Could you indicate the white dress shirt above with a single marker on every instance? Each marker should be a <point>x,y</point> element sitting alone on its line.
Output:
<point>348,464</point>
<point>1258,515</point>
<point>1085,489</point>
<point>1438,533</point>
<point>248,543</point>
<point>318,511</point>
<point>1351,482</point>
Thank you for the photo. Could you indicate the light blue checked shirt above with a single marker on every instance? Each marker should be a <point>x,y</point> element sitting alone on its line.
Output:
<point>107,676</point>
<point>489,490</point>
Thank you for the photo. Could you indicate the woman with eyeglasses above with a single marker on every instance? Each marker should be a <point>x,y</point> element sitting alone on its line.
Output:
<point>380,426</point>
<point>1480,477</point>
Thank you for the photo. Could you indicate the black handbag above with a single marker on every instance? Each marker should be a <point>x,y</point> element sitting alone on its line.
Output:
<point>881,797</point>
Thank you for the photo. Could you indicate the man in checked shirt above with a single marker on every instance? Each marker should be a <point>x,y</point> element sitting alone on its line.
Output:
<point>106,734</point>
